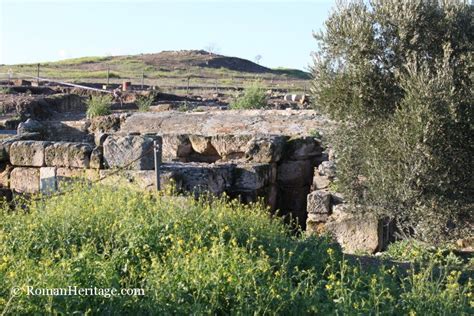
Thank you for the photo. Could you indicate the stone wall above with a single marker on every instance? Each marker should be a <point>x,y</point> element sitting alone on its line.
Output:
<point>274,168</point>
<point>355,230</point>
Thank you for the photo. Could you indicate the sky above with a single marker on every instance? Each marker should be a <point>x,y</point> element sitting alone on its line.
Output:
<point>47,30</point>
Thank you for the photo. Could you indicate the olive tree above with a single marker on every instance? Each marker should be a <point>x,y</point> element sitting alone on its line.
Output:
<point>398,75</point>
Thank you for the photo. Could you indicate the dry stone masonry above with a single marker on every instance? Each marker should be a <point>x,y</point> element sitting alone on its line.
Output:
<point>247,155</point>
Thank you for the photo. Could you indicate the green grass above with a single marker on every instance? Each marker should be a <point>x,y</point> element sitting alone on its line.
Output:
<point>98,105</point>
<point>294,73</point>
<point>209,256</point>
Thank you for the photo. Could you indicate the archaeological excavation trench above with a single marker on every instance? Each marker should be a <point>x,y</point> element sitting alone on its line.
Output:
<point>250,155</point>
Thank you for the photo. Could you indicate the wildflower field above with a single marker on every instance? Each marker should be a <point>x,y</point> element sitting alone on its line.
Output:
<point>210,256</point>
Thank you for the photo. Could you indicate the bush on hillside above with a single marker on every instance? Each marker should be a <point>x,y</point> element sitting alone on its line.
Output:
<point>399,77</point>
<point>253,98</point>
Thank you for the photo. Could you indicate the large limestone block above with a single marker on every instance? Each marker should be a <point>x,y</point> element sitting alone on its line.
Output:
<point>231,146</point>
<point>28,153</point>
<point>120,151</point>
<point>6,144</point>
<point>25,180</point>
<point>320,182</point>
<point>356,233</point>
<point>176,147</point>
<point>302,148</point>
<point>72,155</point>
<point>295,173</point>
<point>251,176</point>
<point>266,148</point>
<point>200,177</point>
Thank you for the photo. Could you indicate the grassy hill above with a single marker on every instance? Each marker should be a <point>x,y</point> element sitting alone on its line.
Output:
<point>164,68</point>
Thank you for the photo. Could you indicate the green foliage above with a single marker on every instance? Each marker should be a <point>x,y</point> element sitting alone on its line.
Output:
<point>253,98</point>
<point>5,90</point>
<point>99,105</point>
<point>144,102</point>
<point>193,257</point>
<point>404,147</point>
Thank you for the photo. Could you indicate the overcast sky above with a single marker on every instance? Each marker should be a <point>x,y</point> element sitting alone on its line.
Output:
<point>279,31</point>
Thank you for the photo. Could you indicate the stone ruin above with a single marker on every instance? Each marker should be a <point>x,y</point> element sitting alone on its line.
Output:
<point>248,155</point>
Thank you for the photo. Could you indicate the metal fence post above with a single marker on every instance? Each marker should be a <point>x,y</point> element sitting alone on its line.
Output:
<point>38,74</point>
<point>157,144</point>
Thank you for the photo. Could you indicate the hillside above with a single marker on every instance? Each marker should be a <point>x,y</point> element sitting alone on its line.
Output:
<point>194,63</point>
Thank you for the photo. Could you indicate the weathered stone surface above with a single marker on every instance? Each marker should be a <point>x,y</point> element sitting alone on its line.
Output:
<point>122,151</point>
<point>176,147</point>
<point>72,155</point>
<point>28,153</point>
<point>231,146</point>
<point>302,148</point>
<point>6,144</point>
<point>229,122</point>
<point>319,202</point>
<point>109,123</point>
<point>266,148</point>
<point>96,160</point>
<point>65,176</point>
<point>202,145</point>
<point>25,180</point>
<point>200,177</point>
<point>30,126</point>
<point>356,233</point>
<point>5,170</point>
<point>248,176</point>
<point>296,173</point>
<point>320,182</point>
<point>328,169</point>
<point>48,181</point>
<point>68,131</point>
<point>99,138</point>
<point>189,177</point>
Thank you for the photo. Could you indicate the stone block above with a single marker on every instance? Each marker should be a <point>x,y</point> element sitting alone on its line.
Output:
<point>248,176</point>
<point>302,148</point>
<point>295,173</point>
<point>266,148</point>
<point>28,153</point>
<point>48,181</point>
<point>25,180</point>
<point>231,147</point>
<point>176,147</point>
<point>328,169</point>
<point>200,177</point>
<point>356,233</point>
<point>132,151</point>
<point>320,182</point>
<point>96,160</point>
<point>319,202</point>
<point>71,155</point>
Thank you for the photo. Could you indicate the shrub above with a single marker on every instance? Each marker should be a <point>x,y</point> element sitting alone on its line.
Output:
<point>191,257</point>
<point>253,98</point>
<point>144,102</point>
<point>98,105</point>
<point>5,90</point>
<point>405,103</point>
